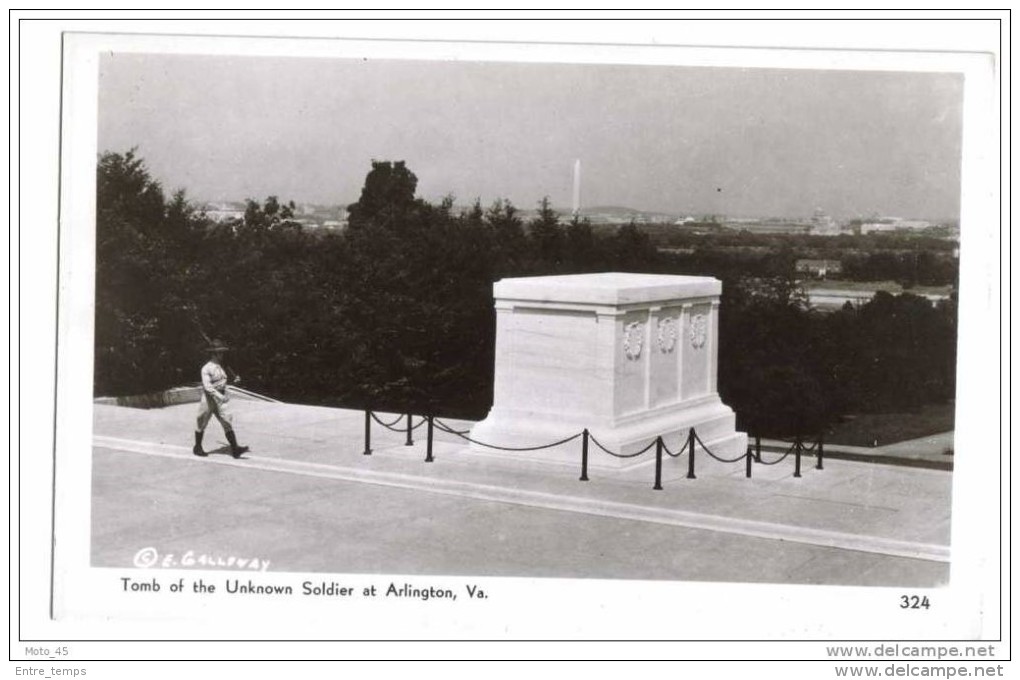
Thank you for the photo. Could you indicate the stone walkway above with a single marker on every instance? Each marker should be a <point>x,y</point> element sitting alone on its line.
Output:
<point>307,499</point>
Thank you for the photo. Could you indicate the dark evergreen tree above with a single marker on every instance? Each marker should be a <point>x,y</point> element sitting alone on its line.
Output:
<point>387,196</point>
<point>144,247</point>
<point>546,236</point>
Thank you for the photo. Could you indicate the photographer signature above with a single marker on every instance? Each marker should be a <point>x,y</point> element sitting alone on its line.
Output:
<point>150,557</point>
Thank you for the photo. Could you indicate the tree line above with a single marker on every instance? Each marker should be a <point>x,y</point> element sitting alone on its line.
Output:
<point>908,260</point>
<point>395,312</point>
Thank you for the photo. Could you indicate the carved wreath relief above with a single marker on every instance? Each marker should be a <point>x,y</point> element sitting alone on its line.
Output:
<point>633,339</point>
<point>667,335</point>
<point>699,331</point>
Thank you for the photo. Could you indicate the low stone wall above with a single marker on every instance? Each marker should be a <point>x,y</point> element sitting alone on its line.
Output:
<point>174,396</point>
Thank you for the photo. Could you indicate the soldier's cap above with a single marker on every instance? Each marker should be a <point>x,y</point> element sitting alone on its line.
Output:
<point>217,346</point>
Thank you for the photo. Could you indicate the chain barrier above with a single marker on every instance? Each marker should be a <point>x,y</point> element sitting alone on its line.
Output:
<point>782,458</point>
<point>621,455</point>
<point>678,453</point>
<point>803,447</point>
<point>447,428</point>
<point>659,444</point>
<point>709,451</point>
<point>442,426</point>
<point>388,426</point>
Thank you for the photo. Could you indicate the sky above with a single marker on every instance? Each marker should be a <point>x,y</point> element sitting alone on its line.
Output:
<point>675,139</point>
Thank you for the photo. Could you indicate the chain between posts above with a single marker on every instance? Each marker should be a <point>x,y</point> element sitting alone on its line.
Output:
<point>452,431</point>
<point>678,453</point>
<point>752,454</point>
<point>442,426</point>
<point>709,451</point>
<point>388,426</point>
<point>621,455</point>
<point>781,458</point>
<point>798,449</point>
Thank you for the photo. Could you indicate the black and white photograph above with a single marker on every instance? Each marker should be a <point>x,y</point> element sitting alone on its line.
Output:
<point>420,339</point>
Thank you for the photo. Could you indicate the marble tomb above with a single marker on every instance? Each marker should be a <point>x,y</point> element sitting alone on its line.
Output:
<point>628,356</point>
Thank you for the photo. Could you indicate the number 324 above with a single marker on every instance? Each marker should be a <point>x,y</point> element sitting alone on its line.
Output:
<point>914,602</point>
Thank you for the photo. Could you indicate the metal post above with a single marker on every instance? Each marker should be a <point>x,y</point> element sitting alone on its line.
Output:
<point>749,457</point>
<point>368,433</point>
<point>757,449</point>
<point>797,447</point>
<point>821,450</point>
<point>428,446</point>
<point>409,442</point>
<point>690,454</point>
<point>584,456</point>
<point>658,464</point>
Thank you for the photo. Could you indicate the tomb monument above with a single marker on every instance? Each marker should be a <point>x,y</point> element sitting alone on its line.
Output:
<point>628,356</point>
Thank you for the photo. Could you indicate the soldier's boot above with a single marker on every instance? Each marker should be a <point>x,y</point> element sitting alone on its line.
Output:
<point>197,450</point>
<point>235,450</point>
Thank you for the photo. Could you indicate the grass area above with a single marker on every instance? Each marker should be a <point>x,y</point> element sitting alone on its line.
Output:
<point>888,428</point>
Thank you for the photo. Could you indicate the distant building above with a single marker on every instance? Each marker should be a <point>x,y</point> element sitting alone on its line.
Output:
<point>819,268</point>
<point>224,212</point>
<point>887,224</point>
<point>822,224</point>
<point>914,224</point>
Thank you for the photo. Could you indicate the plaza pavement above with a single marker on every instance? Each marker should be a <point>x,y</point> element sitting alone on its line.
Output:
<point>306,499</point>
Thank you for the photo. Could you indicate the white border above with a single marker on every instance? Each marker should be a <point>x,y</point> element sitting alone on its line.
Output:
<point>793,611</point>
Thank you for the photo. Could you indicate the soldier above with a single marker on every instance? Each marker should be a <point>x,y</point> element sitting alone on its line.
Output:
<point>215,401</point>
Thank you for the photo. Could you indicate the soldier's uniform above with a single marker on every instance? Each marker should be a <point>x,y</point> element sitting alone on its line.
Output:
<point>215,401</point>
